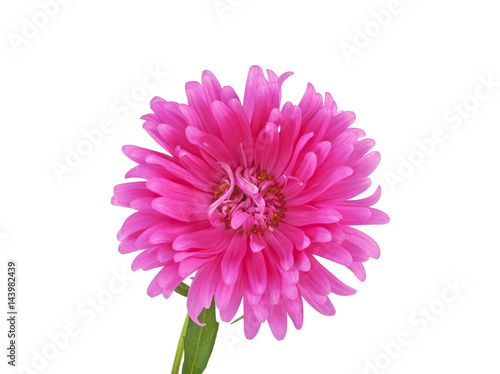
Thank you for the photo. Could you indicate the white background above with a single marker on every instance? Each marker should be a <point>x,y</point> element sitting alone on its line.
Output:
<point>427,60</point>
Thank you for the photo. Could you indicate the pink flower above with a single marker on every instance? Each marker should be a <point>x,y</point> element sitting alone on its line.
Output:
<point>248,197</point>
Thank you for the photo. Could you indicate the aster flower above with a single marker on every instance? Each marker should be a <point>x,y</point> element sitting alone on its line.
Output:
<point>248,196</point>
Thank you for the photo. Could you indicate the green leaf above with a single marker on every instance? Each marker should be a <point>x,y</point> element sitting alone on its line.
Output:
<point>182,289</point>
<point>237,319</point>
<point>199,342</point>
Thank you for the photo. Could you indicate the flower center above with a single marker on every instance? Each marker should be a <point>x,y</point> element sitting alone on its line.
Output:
<point>248,200</point>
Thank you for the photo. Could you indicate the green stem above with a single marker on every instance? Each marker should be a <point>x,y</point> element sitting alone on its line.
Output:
<point>180,348</point>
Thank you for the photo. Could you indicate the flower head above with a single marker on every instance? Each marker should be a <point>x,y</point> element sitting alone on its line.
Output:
<point>248,197</point>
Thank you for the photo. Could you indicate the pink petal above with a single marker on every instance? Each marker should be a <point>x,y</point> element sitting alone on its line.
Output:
<point>229,299</point>
<point>330,103</point>
<point>239,219</point>
<point>281,248</point>
<point>338,123</point>
<point>336,285</point>
<point>366,242</point>
<point>295,310</point>
<point>210,145</point>
<point>307,167</point>
<point>181,175</point>
<point>368,201</point>
<point>145,172</point>
<point>255,266</point>
<point>184,210</point>
<point>318,124</point>
<point>303,140</point>
<point>197,101</point>
<point>199,167</point>
<point>310,104</point>
<point>306,215</point>
<point>168,232</point>
<point>145,259</point>
<point>138,154</point>
<point>361,148</point>
<point>201,291</point>
<point>288,133</point>
<point>289,289</point>
<point>299,239</point>
<point>367,164</point>
<point>266,147</point>
<point>174,136</point>
<point>257,243</point>
<point>154,288</point>
<point>353,215</point>
<point>169,278</point>
<point>211,86</point>
<point>273,280</point>
<point>251,325</point>
<point>314,190</point>
<point>128,244</point>
<point>318,234</point>
<point>247,143</point>
<point>333,252</point>
<point>277,320</point>
<point>127,192</point>
<point>189,265</point>
<point>137,222</point>
<point>302,261</point>
<point>228,94</point>
<point>326,308</point>
<point>233,256</point>
<point>345,189</point>
<point>358,270</point>
<point>206,238</point>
